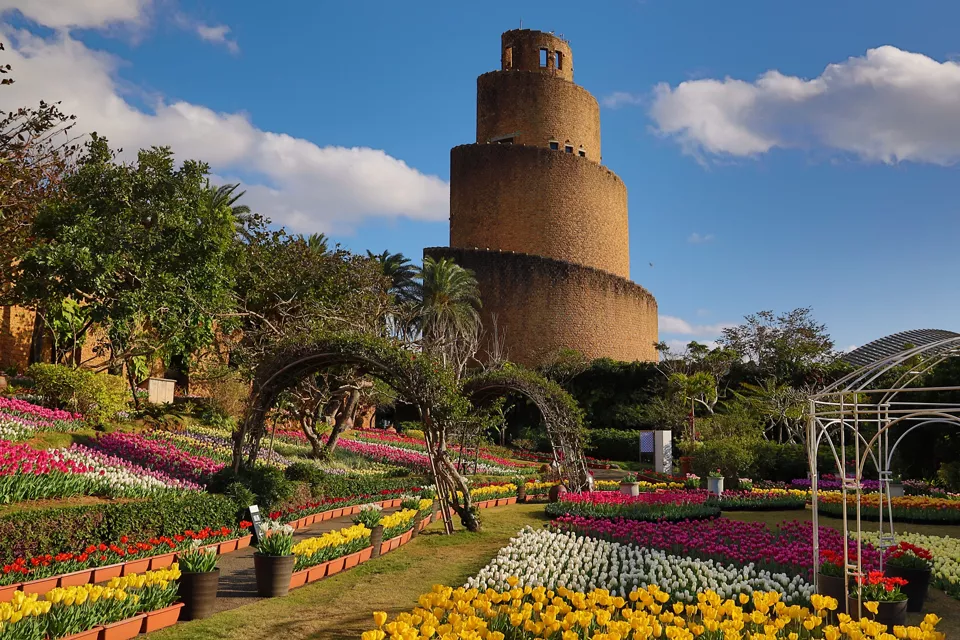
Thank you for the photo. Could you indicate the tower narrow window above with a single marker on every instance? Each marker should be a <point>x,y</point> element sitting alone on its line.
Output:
<point>568,148</point>
<point>554,145</point>
<point>543,58</point>
<point>583,152</point>
<point>559,64</point>
<point>508,58</point>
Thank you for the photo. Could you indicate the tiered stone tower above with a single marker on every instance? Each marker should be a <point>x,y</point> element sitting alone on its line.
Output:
<point>539,220</point>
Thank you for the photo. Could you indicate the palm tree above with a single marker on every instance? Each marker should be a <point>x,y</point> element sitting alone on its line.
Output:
<point>224,197</point>
<point>401,272</point>
<point>317,242</point>
<point>447,303</point>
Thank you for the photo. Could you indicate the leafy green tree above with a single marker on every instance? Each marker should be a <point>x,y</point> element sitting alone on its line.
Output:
<point>137,246</point>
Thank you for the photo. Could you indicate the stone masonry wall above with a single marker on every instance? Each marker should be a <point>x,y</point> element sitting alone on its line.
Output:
<point>520,49</point>
<point>543,305</point>
<point>538,201</point>
<point>536,108</point>
<point>16,330</point>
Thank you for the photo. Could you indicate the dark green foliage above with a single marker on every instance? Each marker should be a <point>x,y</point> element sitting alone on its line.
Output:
<point>267,483</point>
<point>98,396</point>
<point>304,472</point>
<point>336,486</point>
<point>613,444</point>
<point>781,462</point>
<point>734,457</point>
<point>55,530</point>
<point>242,496</point>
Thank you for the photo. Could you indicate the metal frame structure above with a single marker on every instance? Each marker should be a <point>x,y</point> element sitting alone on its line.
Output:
<point>873,421</point>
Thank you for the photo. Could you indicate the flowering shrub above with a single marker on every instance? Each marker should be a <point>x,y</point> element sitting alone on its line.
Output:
<point>562,559</point>
<point>655,505</point>
<point>526,613</point>
<point>331,545</point>
<point>787,549</point>
<point>158,455</point>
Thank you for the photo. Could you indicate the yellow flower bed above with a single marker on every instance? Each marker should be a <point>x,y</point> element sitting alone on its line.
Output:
<point>796,493</point>
<point>311,546</point>
<point>398,518</point>
<point>468,614</point>
<point>493,491</point>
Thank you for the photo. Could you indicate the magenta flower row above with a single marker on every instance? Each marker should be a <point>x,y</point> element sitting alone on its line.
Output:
<point>30,410</point>
<point>160,456</point>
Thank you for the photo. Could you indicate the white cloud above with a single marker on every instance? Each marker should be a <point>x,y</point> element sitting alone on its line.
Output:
<point>696,238</point>
<point>849,348</point>
<point>619,99</point>
<point>675,325</point>
<point>887,106</point>
<point>218,34</point>
<point>291,180</point>
<point>65,14</point>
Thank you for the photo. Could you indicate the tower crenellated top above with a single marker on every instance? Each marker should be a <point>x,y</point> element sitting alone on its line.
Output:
<point>528,50</point>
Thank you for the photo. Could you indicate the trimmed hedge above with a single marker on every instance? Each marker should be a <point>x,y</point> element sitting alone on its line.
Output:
<point>40,531</point>
<point>612,444</point>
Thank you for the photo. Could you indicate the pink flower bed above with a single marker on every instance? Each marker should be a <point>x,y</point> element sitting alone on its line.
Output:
<point>104,461</point>
<point>419,445</point>
<point>388,454</point>
<point>788,549</point>
<point>29,474</point>
<point>159,456</point>
<point>652,497</point>
<point>27,409</point>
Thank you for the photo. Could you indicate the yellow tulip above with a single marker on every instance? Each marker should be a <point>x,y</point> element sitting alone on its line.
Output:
<point>379,617</point>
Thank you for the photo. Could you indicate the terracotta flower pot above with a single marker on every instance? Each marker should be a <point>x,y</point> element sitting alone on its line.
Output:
<point>512,500</point>
<point>136,566</point>
<point>198,593</point>
<point>350,561</point>
<point>227,546</point>
<point>918,581</point>
<point>832,586</point>
<point>102,574</point>
<point>40,586</point>
<point>123,630</point>
<point>162,561</point>
<point>7,591</point>
<point>162,618</point>
<point>76,578</point>
<point>299,578</point>
<point>335,566</point>
<point>336,514</point>
<point>556,491</point>
<point>888,613</point>
<point>89,634</point>
<point>405,537</point>
<point>318,572</point>
<point>273,574</point>
<point>244,542</point>
<point>365,554</point>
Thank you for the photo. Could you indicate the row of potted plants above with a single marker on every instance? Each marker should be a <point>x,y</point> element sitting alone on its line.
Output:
<point>119,610</point>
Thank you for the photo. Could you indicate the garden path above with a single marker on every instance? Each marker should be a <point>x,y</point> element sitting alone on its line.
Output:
<point>238,582</point>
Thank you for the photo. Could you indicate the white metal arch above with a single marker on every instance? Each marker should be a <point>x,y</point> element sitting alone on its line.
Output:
<point>852,411</point>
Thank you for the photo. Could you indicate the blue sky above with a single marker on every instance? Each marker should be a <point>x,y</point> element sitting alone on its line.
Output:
<point>834,187</point>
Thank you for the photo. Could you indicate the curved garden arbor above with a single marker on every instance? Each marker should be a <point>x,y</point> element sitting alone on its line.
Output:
<point>561,414</point>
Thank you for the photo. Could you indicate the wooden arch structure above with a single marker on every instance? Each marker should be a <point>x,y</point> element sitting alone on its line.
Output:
<point>561,414</point>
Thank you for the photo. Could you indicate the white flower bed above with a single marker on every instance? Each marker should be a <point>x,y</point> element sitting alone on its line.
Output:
<point>118,478</point>
<point>549,559</point>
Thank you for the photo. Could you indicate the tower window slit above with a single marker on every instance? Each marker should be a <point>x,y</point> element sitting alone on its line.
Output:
<point>508,58</point>
<point>543,58</point>
<point>559,60</point>
<point>554,145</point>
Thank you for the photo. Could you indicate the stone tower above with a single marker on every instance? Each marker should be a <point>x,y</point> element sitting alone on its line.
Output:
<point>539,220</point>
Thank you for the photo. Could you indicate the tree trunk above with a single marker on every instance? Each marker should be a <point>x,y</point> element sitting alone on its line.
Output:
<point>309,426</point>
<point>342,422</point>
<point>133,387</point>
<point>37,338</point>
<point>446,467</point>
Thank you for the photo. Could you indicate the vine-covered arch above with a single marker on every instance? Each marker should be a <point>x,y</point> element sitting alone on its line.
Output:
<point>562,415</point>
<point>418,379</point>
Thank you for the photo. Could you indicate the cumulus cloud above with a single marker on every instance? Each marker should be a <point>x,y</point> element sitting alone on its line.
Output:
<point>675,325</point>
<point>66,14</point>
<point>888,105</point>
<point>291,180</point>
<point>218,34</point>
<point>696,238</point>
<point>620,99</point>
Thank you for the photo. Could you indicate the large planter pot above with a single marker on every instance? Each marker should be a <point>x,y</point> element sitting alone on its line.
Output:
<point>686,465</point>
<point>89,634</point>
<point>198,592</point>
<point>918,580</point>
<point>273,574</point>
<point>715,486</point>
<point>556,491</point>
<point>888,613</point>
<point>125,629</point>
<point>832,586</point>
<point>162,618</point>
<point>630,488</point>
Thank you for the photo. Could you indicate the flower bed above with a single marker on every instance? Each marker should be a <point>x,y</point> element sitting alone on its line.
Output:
<point>946,557</point>
<point>159,455</point>
<point>762,500</point>
<point>76,609</point>
<point>643,613</point>
<point>413,444</point>
<point>787,549</point>
<point>562,559</point>
<point>411,459</point>
<point>329,546</point>
<point>916,509</point>
<point>213,444</point>
<point>656,505</point>
<point>20,419</point>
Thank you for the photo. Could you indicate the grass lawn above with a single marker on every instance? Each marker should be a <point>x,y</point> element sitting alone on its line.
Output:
<point>341,606</point>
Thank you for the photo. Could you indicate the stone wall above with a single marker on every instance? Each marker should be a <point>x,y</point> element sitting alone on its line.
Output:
<point>16,330</point>
<point>536,109</point>
<point>520,50</point>
<point>543,305</point>
<point>537,201</point>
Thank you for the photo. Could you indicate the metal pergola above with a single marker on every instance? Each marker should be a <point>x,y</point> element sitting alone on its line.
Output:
<point>852,413</point>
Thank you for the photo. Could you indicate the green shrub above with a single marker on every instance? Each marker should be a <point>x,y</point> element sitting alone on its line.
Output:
<point>613,444</point>
<point>337,486</point>
<point>414,433</point>
<point>61,529</point>
<point>269,484</point>
<point>733,456</point>
<point>780,462</point>
<point>304,472</point>
<point>98,396</point>
<point>242,497</point>
<point>949,475</point>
